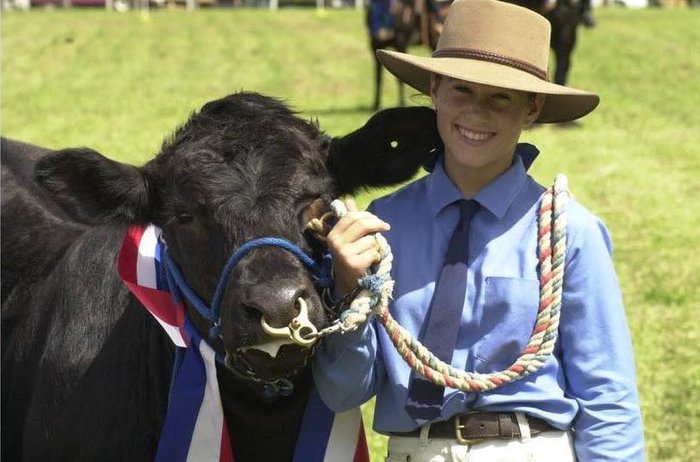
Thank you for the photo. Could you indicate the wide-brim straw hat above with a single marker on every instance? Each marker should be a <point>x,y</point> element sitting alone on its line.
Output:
<point>494,43</point>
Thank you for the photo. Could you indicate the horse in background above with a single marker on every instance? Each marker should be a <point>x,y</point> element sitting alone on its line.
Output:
<point>399,23</point>
<point>565,18</point>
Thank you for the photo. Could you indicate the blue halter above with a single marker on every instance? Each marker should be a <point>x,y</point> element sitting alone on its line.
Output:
<point>321,274</point>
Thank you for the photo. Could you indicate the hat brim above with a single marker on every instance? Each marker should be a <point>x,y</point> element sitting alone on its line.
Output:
<point>562,104</point>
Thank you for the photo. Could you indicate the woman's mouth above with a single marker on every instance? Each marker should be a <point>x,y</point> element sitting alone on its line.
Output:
<point>474,136</point>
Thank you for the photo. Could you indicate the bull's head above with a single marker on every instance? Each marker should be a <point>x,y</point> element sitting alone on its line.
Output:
<point>242,168</point>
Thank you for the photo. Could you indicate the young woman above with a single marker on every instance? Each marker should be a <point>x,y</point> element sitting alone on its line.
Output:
<point>477,213</point>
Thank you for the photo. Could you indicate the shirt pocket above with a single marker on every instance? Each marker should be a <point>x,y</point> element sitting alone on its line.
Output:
<point>508,318</point>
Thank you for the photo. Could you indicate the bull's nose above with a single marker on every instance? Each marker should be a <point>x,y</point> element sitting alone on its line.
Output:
<point>275,302</point>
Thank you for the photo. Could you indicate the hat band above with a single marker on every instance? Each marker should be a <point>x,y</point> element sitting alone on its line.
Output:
<point>492,58</point>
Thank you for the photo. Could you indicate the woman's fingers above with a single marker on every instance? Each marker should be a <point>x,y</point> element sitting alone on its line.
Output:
<point>354,226</point>
<point>350,204</point>
<point>350,264</point>
<point>353,246</point>
<point>362,246</point>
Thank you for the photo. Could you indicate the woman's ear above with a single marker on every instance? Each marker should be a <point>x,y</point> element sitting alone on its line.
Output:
<point>536,103</point>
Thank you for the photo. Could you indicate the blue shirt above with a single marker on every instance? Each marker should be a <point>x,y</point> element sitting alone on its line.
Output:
<point>587,385</point>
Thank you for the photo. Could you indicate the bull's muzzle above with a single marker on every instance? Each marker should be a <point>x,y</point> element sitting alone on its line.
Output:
<point>300,330</point>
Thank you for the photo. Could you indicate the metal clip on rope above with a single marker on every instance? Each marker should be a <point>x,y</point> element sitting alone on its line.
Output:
<point>300,330</point>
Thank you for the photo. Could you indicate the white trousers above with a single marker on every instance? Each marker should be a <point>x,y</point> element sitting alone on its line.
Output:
<point>554,446</point>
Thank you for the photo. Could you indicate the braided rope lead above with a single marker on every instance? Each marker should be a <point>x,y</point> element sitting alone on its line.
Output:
<point>376,290</point>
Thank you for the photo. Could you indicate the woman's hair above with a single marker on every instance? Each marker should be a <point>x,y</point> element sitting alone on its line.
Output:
<point>434,75</point>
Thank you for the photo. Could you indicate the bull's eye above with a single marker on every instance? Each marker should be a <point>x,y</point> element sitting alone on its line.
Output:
<point>183,218</point>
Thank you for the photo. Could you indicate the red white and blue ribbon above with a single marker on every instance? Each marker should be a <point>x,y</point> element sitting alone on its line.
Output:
<point>195,428</point>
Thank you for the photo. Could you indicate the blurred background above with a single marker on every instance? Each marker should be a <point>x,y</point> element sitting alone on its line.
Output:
<point>120,75</point>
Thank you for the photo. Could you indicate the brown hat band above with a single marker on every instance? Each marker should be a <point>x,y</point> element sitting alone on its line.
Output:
<point>491,57</point>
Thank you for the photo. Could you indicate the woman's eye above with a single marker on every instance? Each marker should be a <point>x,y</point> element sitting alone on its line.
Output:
<point>183,218</point>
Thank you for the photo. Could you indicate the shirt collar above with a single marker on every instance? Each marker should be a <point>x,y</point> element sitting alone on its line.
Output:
<point>496,197</point>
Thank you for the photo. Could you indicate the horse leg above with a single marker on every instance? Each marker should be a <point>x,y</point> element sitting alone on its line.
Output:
<point>377,79</point>
<point>562,64</point>
<point>402,100</point>
<point>563,42</point>
<point>377,84</point>
<point>401,45</point>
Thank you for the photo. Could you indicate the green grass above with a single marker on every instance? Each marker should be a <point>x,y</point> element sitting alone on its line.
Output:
<point>121,82</point>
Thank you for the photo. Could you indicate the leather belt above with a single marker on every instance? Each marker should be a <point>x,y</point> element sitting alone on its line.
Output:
<point>473,427</point>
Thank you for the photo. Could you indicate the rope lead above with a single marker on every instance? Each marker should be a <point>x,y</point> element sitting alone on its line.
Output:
<point>376,289</point>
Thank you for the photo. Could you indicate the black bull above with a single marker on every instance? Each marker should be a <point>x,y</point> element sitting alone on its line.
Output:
<point>85,369</point>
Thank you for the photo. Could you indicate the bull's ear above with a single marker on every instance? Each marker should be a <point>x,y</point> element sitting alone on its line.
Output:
<point>386,151</point>
<point>92,188</point>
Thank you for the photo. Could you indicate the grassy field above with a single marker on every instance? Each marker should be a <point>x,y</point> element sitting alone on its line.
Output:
<point>121,82</point>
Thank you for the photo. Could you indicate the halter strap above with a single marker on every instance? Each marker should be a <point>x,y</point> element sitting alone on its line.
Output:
<point>321,274</point>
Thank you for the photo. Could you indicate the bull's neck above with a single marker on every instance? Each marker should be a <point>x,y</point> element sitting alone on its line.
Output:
<point>251,421</point>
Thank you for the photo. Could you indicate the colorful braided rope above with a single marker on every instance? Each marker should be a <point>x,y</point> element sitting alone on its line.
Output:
<point>376,290</point>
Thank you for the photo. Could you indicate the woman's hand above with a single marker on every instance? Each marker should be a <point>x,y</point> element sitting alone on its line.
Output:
<point>353,246</point>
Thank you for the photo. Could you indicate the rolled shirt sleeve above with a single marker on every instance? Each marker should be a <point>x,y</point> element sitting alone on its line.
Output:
<point>347,367</point>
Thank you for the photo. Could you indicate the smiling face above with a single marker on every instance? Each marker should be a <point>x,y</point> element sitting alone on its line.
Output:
<point>480,126</point>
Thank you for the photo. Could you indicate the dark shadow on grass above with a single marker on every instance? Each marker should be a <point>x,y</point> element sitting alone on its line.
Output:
<point>573,124</point>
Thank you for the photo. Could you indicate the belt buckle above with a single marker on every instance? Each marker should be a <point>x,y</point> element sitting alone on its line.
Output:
<point>458,433</point>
